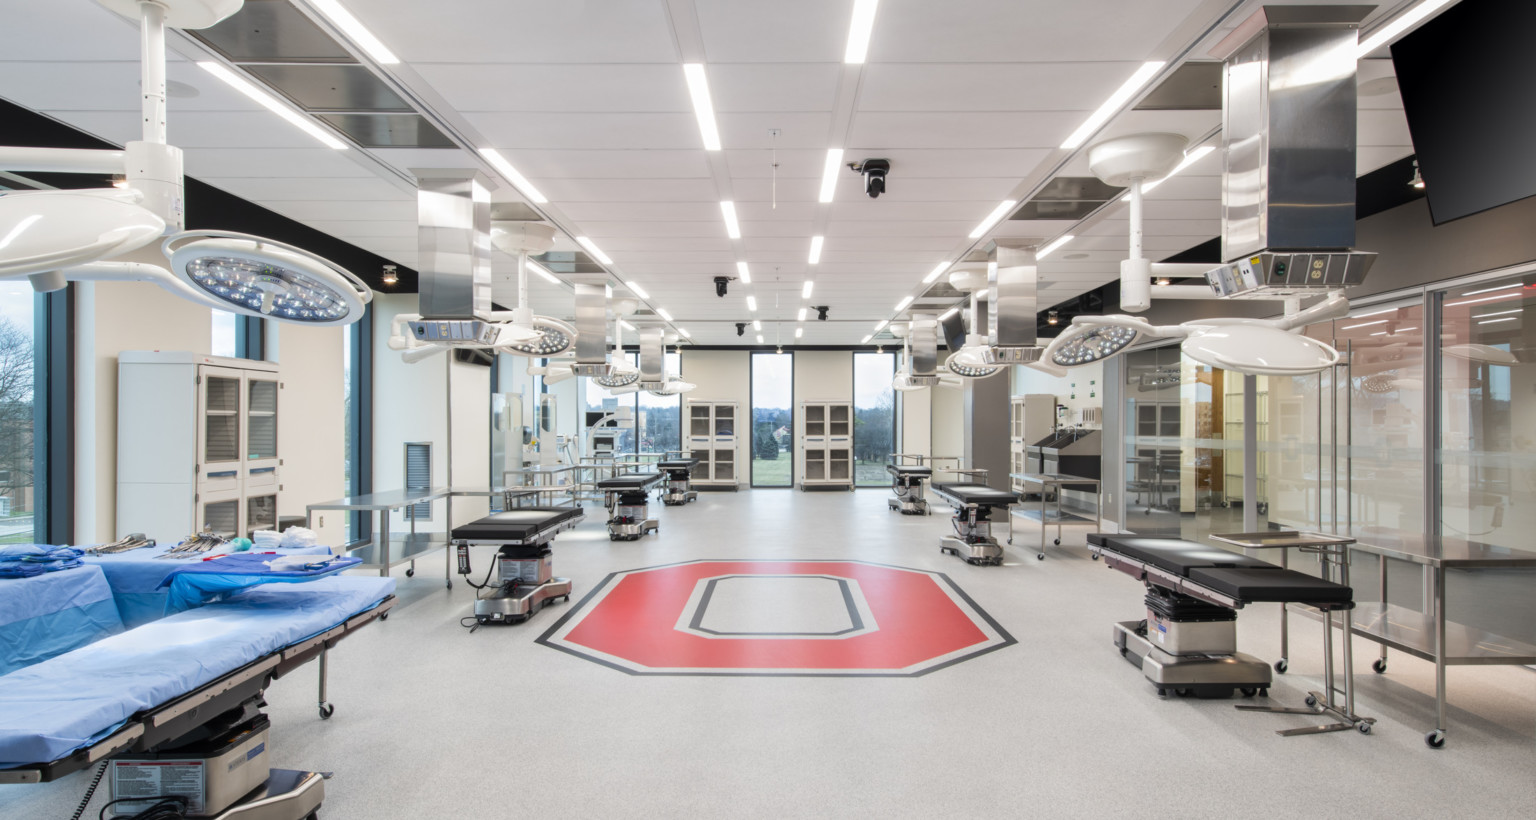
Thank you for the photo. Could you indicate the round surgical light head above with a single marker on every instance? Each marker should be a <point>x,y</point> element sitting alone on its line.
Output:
<point>673,387</point>
<point>968,363</point>
<point>1091,343</point>
<point>258,277</point>
<point>1483,354</point>
<point>554,337</point>
<point>617,378</point>
<point>53,230</point>
<point>1258,350</point>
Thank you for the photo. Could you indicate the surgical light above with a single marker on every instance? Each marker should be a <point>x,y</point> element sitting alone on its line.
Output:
<point>859,30</point>
<point>732,227</point>
<point>703,109</point>
<point>355,30</point>
<point>815,256</point>
<point>992,219</point>
<point>518,181</point>
<point>618,378</point>
<point>829,173</point>
<point>1093,344</point>
<point>271,103</point>
<point>597,253</point>
<point>746,275</point>
<point>50,230</point>
<point>554,337</point>
<point>968,363</point>
<point>254,276</point>
<point>1121,96</point>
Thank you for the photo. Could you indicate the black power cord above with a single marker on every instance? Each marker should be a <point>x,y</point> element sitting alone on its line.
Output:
<point>90,792</point>
<point>170,807</point>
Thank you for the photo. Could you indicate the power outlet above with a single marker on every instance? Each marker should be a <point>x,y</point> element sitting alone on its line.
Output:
<point>322,521</point>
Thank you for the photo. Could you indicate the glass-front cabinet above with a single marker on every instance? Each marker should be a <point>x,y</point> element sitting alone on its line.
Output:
<point>712,441</point>
<point>826,445</point>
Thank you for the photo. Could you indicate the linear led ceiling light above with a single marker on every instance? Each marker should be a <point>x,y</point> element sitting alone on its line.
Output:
<point>1050,248</point>
<point>271,103</point>
<point>732,228</point>
<point>746,275</point>
<point>948,313</point>
<point>703,109</point>
<point>880,325</point>
<point>757,325</point>
<point>992,219</point>
<point>518,181</point>
<point>53,237</point>
<point>634,287</point>
<point>865,340</point>
<point>543,272</point>
<point>1389,32</point>
<point>829,173</point>
<point>759,338</point>
<point>805,290</point>
<point>799,331</point>
<point>597,253</point>
<point>1122,95</point>
<point>752,303</point>
<point>859,30</point>
<point>936,273</point>
<point>815,256</point>
<point>902,305</point>
<point>662,312</point>
<point>1190,158</point>
<point>355,30</point>
<point>800,315</point>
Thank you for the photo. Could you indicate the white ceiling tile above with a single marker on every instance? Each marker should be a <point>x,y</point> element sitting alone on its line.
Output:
<point>999,31</point>
<point>271,162</point>
<point>1383,127</point>
<point>259,189</point>
<point>401,210</point>
<point>525,31</point>
<point>546,164</point>
<point>604,87</point>
<point>953,231</point>
<point>354,229</point>
<point>590,212</point>
<point>773,87</point>
<point>797,129</point>
<point>111,86</point>
<point>600,231</point>
<point>950,130</point>
<point>514,132</point>
<point>991,87</point>
<point>783,31</point>
<point>627,190</point>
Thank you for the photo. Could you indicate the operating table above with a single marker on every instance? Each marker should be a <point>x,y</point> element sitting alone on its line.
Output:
<point>679,473</point>
<point>627,499</point>
<point>182,683</point>
<point>1188,643</point>
<point>525,582</point>
<point>974,504</point>
<point>907,483</point>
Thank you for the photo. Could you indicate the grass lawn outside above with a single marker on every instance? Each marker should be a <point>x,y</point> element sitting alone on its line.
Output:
<point>774,472</point>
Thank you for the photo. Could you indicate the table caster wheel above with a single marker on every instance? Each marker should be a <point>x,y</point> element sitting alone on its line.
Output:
<point>1093,555</point>
<point>1365,728</point>
<point>410,573</point>
<point>1010,542</point>
<point>1057,542</point>
<point>1263,693</point>
<point>1311,702</point>
<point>1379,666</point>
<point>450,584</point>
<point>1162,693</point>
<point>1248,691</point>
<point>1282,665</point>
<point>1039,556</point>
<point>326,710</point>
<point>384,617</point>
<point>1435,739</point>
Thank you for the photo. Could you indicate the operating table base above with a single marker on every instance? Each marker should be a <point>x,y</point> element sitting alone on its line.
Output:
<point>910,506</point>
<point>513,603</point>
<point>631,530</point>
<point>1204,676</point>
<point>287,795</point>
<point>981,553</point>
<point>678,499</point>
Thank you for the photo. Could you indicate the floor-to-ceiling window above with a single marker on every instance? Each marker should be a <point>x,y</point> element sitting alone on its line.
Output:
<point>874,417</point>
<point>223,328</point>
<point>773,420</point>
<point>598,402</point>
<point>18,345</point>
<point>659,418</point>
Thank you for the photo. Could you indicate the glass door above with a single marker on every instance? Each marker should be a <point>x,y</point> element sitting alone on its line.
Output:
<point>773,420</point>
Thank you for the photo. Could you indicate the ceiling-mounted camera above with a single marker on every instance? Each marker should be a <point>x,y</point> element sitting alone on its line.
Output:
<point>741,328</point>
<point>874,171</point>
<point>821,312</point>
<point>720,284</point>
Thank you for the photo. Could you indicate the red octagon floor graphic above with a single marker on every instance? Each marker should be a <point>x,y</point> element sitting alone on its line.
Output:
<point>803,618</point>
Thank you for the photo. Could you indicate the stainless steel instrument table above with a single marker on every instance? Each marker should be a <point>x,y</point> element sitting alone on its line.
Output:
<point>1428,635</point>
<point>1334,552</point>
<point>375,552</point>
<point>1060,481</point>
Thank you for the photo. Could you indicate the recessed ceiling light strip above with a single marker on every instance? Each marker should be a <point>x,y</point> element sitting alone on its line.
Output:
<point>703,108</point>
<point>271,103</point>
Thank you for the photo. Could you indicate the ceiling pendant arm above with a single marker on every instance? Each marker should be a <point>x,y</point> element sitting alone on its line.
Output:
<point>152,69</point>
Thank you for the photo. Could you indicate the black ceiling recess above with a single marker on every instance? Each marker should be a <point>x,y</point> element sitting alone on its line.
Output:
<point>208,208</point>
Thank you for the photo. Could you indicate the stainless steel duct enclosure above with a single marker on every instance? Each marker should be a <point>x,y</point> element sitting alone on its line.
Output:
<point>591,331</point>
<point>453,214</point>
<point>1012,304</point>
<point>923,336</point>
<point>1288,134</point>
<point>653,360</point>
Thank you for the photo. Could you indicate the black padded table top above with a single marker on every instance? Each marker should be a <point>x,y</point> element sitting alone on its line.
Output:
<point>514,525</point>
<point>678,464</point>
<point>632,481</point>
<point>903,470</point>
<point>1274,585</point>
<point>1174,554</point>
<point>976,494</point>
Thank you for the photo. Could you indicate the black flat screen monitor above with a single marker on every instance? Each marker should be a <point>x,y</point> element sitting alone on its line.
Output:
<point>1466,78</point>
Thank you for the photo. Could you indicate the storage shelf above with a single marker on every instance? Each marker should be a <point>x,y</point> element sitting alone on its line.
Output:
<point>1413,632</point>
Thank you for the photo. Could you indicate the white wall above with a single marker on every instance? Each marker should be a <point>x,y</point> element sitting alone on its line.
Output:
<point>916,421</point>
<point>948,421</point>
<point>820,375</point>
<point>1081,388</point>
<point>410,404</point>
<point>723,375</point>
<point>112,317</point>
<point>311,426</point>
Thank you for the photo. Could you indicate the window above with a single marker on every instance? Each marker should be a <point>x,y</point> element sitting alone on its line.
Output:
<point>18,398</point>
<point>659,418</point>
<point>874,417</point>
<point>773,420</point>
<point>224,334</point>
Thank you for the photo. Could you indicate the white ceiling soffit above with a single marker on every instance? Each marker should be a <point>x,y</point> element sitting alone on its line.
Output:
<point>968,99</point>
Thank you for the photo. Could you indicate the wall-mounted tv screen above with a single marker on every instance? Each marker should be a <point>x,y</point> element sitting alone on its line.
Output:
<point>1466,78</point>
